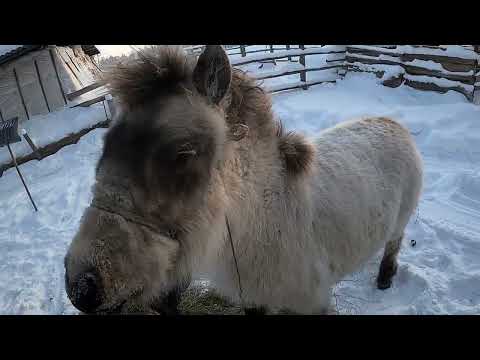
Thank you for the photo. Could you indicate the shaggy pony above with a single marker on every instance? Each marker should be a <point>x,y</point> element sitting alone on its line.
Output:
<point>196,145</point>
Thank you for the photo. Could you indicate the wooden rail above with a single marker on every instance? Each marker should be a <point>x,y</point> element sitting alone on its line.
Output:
<point>84,90</point>
<point>296,58</point>
<point>425,67</point>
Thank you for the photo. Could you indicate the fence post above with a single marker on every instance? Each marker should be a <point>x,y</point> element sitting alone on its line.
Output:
<point>476,77</point>
<point>288,48</point>
<point>271,48</point>
<point>242,50</point>
<point>341,71</point>
<point>303,74</point>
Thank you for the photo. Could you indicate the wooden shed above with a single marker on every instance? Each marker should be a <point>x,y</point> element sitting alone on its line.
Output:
<point>36,79</point>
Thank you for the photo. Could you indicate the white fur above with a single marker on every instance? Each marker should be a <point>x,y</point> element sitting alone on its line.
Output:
<point>295,238</point>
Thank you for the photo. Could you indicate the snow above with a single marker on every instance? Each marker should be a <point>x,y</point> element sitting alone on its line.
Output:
<point>390,70</point>
<point>452,50</point>
<point>432,65</point>
<point>7,48</point>
<point>425,64</point>
<point>46,129</point>
<point>439,275</point>
<point>438,81</point>
<point>285,53</point>
<point>289,67</point>
<point>318,58</point>
<point>325,77</point>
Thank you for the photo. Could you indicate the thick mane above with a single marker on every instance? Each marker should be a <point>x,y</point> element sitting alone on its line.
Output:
<point>158,70</point>
<point>165,70</point>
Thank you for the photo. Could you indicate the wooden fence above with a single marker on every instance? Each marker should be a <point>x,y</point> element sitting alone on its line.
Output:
<point>426,67</point>
<point>476,91</point>
<point>295,59</point>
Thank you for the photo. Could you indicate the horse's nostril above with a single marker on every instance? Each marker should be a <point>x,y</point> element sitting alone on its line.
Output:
<point>86,292</point>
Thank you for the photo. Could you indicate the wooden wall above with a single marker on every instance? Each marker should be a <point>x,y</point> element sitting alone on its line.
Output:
<point>37,83</point>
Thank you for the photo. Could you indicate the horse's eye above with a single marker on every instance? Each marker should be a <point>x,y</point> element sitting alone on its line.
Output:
<point>185,153</point>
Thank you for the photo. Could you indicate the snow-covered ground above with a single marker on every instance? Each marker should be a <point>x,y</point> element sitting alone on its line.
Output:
<point>54,126</point>
<point>439,275</point>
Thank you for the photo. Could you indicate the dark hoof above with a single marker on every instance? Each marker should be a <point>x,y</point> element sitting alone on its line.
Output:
<point>384,284</point>
<point>385,275</point>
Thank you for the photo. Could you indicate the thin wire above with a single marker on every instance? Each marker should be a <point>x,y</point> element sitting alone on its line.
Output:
<point>235,259</point>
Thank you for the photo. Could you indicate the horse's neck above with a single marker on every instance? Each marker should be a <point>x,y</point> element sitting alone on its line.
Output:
<point>251,171</point>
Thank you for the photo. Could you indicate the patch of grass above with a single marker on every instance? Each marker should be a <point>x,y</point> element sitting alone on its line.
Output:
<point>205,301</point>
<point>202,300</point>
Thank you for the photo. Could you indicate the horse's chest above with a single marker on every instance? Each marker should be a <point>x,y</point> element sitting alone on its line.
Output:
<point>270,199</point>
<point>267,217</point>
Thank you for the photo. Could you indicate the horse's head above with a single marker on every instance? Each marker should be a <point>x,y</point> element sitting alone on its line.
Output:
<point>152,181</point>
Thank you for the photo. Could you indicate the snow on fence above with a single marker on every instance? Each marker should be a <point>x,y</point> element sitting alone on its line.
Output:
<point>285,67</point>
<point>426,67</point>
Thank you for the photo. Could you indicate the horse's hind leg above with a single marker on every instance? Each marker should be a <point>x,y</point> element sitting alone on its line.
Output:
<point>389,265</point>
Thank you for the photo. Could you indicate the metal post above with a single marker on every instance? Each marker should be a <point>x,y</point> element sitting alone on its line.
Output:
<point>21,177</point>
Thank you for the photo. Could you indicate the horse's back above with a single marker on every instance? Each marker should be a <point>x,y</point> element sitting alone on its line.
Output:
<point>367,185</point>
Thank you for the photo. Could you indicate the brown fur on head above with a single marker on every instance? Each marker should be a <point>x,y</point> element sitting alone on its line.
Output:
<point>158,71</point>
<point>161,173</point>
<point>156,168</point>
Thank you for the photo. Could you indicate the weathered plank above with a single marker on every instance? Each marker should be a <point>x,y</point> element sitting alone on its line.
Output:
<point>19,88</point>
<point>396,81</point>
<point>30,86</point>
<point>48,77</point>
<point>41,85</point>
<point>434,87</point>
<point>54,58</point>
<point>10,99</point>
<point>70,66</point>
<point>406,57</point>
<point>84,90</point>
<point>275,74</point>
<point>90,102</point>
<point>413,70</point>
<point>283,54</point>
<point>298,84</point>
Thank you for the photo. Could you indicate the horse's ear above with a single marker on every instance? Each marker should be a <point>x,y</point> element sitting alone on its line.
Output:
<point>213,74</point>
